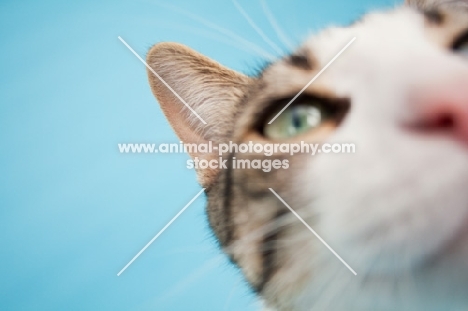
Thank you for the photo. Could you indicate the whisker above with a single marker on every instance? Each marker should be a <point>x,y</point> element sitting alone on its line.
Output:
<point>279,32</point>
<point>231,294</point>
<point>209,35</point>
<point>267,228</point>
<point>227,32</point>
<point>256,28</point>
<point>183,250</point>
<point>336,283</point>
<point>181,285</point>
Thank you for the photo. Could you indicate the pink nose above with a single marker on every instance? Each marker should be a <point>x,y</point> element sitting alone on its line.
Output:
<point>444,108</point>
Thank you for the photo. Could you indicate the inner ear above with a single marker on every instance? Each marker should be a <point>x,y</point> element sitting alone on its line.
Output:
<point>213,91</point>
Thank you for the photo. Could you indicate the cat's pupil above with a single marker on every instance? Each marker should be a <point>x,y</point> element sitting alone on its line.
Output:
<point>296,119</point>
<point>304,118</point>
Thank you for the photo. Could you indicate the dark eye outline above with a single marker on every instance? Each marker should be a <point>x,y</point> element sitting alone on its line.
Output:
<point>460,41</point>
<point>335,109</point>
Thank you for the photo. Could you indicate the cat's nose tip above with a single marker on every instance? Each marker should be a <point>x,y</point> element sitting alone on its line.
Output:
<point>444,109</point>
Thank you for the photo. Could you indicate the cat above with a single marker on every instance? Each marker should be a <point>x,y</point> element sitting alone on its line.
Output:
<point>396,210</point>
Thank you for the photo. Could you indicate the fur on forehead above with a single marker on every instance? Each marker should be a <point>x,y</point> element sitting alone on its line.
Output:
<point>288,76</point>
<point>438,4</point>
<point>389,29</point>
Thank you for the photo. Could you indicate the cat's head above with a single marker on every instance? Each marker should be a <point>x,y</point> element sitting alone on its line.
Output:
<point>396,210</point>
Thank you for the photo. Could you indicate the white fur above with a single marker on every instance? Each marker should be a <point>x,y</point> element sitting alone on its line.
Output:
<point>402,199</point>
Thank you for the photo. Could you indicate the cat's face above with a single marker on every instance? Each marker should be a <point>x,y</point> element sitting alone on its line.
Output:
<point>396,210</point>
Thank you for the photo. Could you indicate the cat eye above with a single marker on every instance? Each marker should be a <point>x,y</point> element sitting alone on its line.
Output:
<point>304,115</point>
<point>460,46</point>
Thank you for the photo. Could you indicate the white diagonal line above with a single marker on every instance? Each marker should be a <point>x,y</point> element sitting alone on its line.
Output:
<point>160,232</point>
<point>312,230</point>
<point>313,79</point>
<point>161,79</point>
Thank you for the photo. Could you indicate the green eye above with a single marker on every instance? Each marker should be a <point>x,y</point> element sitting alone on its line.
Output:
<point>305,114</point>
<point>293,121</point>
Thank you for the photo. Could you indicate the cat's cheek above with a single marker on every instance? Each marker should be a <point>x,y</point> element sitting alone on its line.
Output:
<point>387,212</point>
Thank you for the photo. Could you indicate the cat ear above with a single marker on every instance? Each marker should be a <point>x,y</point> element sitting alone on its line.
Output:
<point>211,90</point>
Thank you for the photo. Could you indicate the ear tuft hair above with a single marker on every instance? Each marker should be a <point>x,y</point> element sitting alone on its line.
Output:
<point>213,91</point>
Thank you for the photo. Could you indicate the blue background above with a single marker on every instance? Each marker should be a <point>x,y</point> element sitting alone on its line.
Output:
<point>73,210</point>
